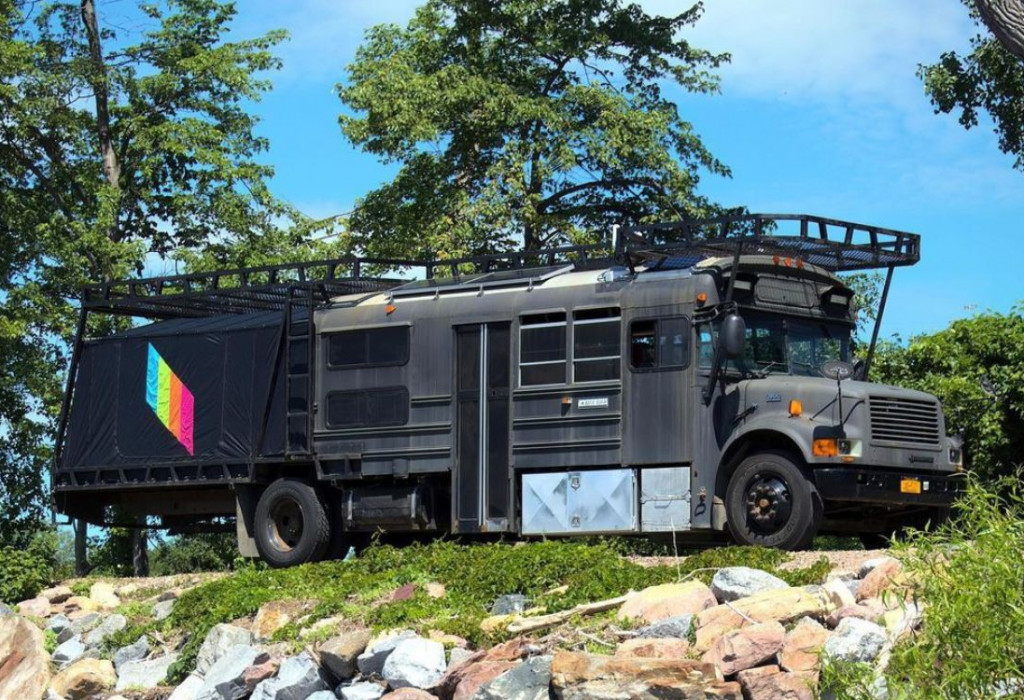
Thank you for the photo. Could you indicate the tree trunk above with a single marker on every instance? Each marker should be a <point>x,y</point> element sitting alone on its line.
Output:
<point>1005,19</point>
<point>81,529</point>
<point>98,81</point>
<point>140,549</point>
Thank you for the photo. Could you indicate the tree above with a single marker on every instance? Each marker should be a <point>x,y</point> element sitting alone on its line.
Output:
<point>109,151</point>
<point>957,364</point>
<point>524,123</point>
<point>990,78</point>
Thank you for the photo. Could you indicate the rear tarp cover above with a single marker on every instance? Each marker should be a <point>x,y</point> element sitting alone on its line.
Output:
<point>191,390</point>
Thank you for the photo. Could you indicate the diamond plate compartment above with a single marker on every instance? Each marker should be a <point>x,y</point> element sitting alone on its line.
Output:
<point>564,503</point>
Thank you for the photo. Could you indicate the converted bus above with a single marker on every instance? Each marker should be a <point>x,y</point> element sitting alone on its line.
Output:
<point>694,378</point>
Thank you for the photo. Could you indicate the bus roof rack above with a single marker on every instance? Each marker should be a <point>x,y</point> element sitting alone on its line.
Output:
<point>839,246</point>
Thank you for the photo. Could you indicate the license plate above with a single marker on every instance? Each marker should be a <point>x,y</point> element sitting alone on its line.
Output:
<point>910,486</point>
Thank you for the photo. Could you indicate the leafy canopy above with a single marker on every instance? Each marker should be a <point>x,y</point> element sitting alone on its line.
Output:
<point>526,122</point>
<point>989,79</point>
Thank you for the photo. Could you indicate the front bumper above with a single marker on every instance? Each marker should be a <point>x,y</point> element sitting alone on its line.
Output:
<point>884,487</point>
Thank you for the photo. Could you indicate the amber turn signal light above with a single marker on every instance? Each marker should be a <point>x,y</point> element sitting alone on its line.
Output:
<point>796,408</point>
<point>826,447</point>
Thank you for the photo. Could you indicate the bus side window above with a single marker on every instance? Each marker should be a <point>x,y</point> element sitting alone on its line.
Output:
<point>662,343</point>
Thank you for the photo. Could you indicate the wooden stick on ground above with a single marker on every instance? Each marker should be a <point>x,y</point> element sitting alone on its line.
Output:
<point>532,624</point>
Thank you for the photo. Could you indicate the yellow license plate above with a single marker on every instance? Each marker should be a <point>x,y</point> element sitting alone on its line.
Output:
<point>910,486</point>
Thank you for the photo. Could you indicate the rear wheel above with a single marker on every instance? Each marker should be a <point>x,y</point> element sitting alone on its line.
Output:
<point>771,502</point>
<point>292,526</point>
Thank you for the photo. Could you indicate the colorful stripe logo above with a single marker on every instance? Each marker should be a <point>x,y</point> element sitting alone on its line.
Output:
<point>170,399</point>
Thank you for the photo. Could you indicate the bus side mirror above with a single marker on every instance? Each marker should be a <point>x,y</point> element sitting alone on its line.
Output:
<point>733,336</point>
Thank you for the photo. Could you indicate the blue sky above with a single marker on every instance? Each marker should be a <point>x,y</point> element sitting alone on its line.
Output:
<point>820,112</point>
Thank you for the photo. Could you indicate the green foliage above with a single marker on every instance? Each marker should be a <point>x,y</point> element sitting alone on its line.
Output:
<point>197,552</point>
<point>474,575</point>
<point>952,365</point>
<point>970,574</point>
<point>24,571</point>
<point>532,122</point>
<point>989,79</point>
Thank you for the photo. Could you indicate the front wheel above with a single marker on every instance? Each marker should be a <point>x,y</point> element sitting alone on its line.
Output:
<point>292,526</point>
<point>771,502</point>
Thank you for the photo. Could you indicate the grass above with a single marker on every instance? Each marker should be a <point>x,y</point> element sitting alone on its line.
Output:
<point>473,575</point>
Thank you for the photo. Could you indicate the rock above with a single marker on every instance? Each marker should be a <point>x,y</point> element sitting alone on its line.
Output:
<point>58,623</point>
<point>371,661</point>
<point>408,694</point>
<point>414,663</point>
<point>322,624</point>
<point>871,613</point>
<point>83,679</point>
<point>746,648</point>
<point>189,688</point>
<point>24,663</point>
<point>34,607</point>
<point>770,683</point>
<point>254,675</point>
<point>839,594</point>
<point>855,640</point>
<point>503,655</point>
<point>871,564</point>
<point>298,678</point>
<point>68,652</point>
<point>218,641</point>
<point>581,676</point>
<point>509,604</point>
<point>103,595</point>
<point>445,639</point>
<point>679,626</point>
<point>133,652</point>
<point>880,578</point>
<point>322,695</point>
<point>224,679</point>
<point>360,691</point>
<point>111,624</point>
<point>784,605</point>
<point>474,676</point>
<point>127,590</point>
<point>902,621</point>
<point>802,648</point>
<point>85,623</point>
<point>734,582</point>
<point>339,654</point>
<point>5,610</point>
<point>143,675</point>
<point>436,590</point>
<point>840,575</point>
<point>653,648</point>
<point>402,593</point>
<point>667,600</point>
<point>529,680</point>
<point>270,618</point>
<point>80,604</point>
<point>163,609</point>
<point>56,594</point>
<point>458,655</point>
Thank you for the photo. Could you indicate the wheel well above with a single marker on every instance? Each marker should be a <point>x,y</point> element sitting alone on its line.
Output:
<point>754,440</point>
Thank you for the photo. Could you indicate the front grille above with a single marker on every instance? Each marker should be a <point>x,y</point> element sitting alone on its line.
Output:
<point>904,421</point>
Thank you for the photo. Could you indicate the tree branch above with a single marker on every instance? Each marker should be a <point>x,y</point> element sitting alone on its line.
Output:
<point>608,182</point>
<point>1005,19</point>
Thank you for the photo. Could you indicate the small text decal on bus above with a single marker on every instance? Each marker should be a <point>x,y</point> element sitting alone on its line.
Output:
<point>593,403</point>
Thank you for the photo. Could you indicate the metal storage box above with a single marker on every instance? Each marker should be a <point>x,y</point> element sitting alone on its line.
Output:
<point>563,503</point>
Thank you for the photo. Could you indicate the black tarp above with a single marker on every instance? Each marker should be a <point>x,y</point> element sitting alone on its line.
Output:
<point>121,415</point>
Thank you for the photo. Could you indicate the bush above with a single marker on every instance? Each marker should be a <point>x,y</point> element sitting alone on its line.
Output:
<point>971,572</point>
<point>26,571</point>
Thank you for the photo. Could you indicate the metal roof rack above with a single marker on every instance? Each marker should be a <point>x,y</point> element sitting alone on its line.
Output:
<point>839,246</point>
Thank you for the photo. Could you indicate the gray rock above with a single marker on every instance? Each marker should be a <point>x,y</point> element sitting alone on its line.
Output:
<point>143,675</point>
<point>360,691</point>
<point>322,695</point>
<point>5,610</point>
<point>223,680</point>
<point>855,640</point>
<point>132,652</point>
<point>219,639</point>
<point>298,678</point>
<point>527,681</point>
<point>415,663</point>
<point>189,688</point>
<point>457,655</point>
<point>371,662</point>
<point>679,626</point>
<point>80,626</point>
<point>735,582</point>
<point>163,609</point>
<point>338,654</point>
<point>68,652</point>
<point>58,623</point>
<point>870,565</point>
<point>509,604</point>
<point>853,585</point>
<point>111,623</point>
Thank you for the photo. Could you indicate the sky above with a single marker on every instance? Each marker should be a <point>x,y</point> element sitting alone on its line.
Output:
<point>820,112</point>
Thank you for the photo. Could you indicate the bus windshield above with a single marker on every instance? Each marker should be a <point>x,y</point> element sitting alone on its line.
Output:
<point>781,345</point>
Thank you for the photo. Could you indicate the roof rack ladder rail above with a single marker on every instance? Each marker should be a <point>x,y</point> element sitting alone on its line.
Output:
<point>65,406</point>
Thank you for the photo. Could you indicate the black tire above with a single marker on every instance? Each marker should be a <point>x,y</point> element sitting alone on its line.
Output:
<point>292,525</point>
<point>772,502</point>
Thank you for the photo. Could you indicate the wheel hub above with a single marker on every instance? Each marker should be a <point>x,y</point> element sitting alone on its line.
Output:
<point>769,503</point>
<point>285,525</point>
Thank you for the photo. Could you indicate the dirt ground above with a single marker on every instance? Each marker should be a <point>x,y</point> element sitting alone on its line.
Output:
<point>847,560</point>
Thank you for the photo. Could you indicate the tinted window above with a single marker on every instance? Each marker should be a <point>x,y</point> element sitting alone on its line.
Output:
<point>371,408</point>
<point>597,348</point>
<point>542,349</point>
<point>662,343</point>
<point>369,347</point>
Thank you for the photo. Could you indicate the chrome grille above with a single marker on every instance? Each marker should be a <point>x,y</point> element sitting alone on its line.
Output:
<point>904,421</point>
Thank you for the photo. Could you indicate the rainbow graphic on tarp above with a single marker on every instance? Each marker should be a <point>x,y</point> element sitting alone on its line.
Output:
<point>170,399</point>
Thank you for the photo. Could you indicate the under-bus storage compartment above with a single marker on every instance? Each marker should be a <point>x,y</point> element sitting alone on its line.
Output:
<point>664,499</point>
<point>564,503</point>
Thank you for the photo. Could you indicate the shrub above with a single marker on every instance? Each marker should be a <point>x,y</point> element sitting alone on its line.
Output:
<point>185,554</point>
<point>970,572</point>
<point>24,571</point>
